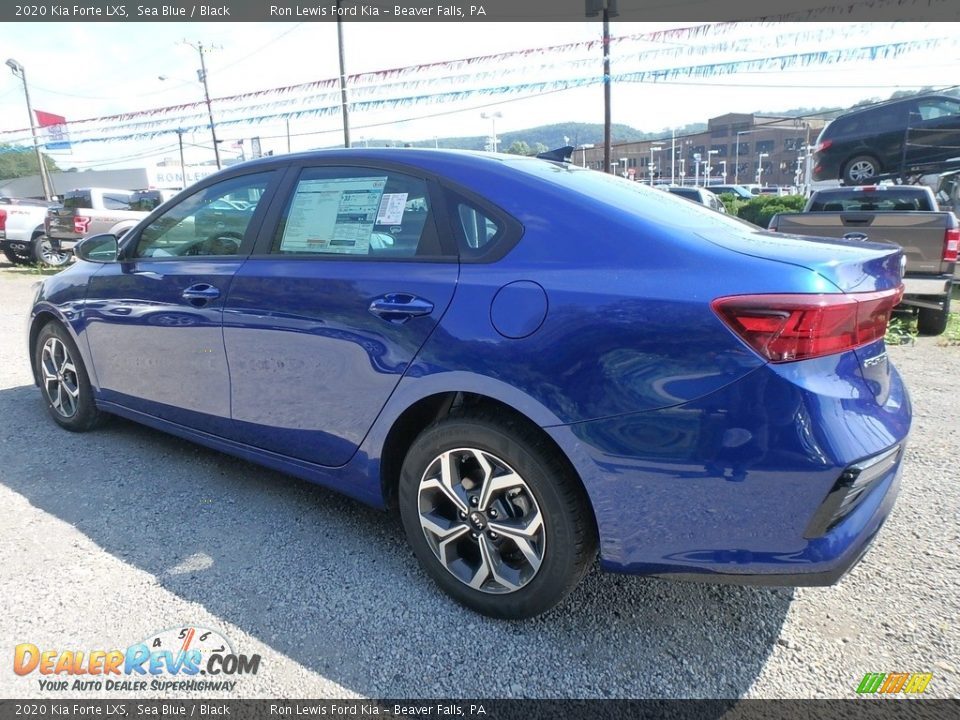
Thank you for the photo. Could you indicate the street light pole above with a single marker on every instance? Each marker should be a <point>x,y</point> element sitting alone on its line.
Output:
<point>708,170</point>
<point>492,117</point>
<point>760,166</point>
<point>653,149</point>
<point>696,169</point>
<point>584,148</point>
<point>18,71</point>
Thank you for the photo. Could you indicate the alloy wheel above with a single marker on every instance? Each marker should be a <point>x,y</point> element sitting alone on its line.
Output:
<point>862,170</point>
<point>60,382</point>
<point>481,520</point>
<point>52,255</point>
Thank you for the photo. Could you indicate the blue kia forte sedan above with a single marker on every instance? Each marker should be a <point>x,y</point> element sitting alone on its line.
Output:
<point>530,362</point>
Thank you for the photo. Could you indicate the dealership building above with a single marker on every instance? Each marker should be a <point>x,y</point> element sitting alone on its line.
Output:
<point>735,148</point>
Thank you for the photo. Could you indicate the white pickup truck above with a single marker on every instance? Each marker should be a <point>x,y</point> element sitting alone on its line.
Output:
<point>21,226</point>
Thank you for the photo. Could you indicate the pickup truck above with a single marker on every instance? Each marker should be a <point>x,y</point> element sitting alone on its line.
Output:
<point>21,225</point>
<point>904,215</point>
<point>90,211</point>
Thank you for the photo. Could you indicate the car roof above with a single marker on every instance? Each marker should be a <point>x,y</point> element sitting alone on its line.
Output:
<point>897,101</point>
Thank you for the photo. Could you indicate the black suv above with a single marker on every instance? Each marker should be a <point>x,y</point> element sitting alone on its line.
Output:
<point>910,135</point>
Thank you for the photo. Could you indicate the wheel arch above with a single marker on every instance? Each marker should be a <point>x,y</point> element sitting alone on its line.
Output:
<point>44,316</point>
<point>422,413</point>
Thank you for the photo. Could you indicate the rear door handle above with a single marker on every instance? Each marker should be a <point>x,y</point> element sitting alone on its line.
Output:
<point>398,308</point>
<point>200,291</point>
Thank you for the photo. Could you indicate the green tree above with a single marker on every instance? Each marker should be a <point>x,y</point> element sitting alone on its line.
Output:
<point>16,161</point>
<point>519,147</point>
<point>763,207</point>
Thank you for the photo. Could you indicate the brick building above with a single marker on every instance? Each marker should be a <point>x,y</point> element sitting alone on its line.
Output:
<point>730,150</point>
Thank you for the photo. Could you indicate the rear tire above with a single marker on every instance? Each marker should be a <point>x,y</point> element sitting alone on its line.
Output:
<point>64,382</point>
<point>497,519</point>
<point>15,258</point>
<point>933,322</point>
<point>861,170</point>
<point>47,252</point>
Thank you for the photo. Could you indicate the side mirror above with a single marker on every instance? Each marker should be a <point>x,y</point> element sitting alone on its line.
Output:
<point>98,248</point>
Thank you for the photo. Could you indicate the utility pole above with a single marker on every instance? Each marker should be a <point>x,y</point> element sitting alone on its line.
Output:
<point>19,72</point>
<point>609,10</point>
<point>183,165</point>
<point>202,74</point>
<point>343,80</point>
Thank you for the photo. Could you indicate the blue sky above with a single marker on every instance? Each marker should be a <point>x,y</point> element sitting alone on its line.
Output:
<point>82,70</point>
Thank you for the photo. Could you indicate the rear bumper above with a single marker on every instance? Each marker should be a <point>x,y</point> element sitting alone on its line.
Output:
<point>731,487</point>
<point>19,247</point>
<point>927,286</point>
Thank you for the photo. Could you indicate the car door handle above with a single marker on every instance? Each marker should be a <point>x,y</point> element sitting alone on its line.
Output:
<point>200,291</point>
<point>397,308</point>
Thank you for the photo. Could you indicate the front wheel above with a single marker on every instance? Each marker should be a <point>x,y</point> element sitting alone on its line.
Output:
<point>497,519</point>
<point>64,382</point>
<point>49,252</point>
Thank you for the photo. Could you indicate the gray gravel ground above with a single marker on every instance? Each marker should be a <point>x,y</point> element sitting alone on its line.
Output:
<point>108,537</point>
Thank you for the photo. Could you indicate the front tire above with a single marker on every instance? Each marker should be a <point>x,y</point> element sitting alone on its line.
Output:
<point>64,382</point>
<point>861,170</point>
<point>496,519</point>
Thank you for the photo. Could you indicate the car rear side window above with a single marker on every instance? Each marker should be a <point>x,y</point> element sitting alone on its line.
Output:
<point>359,213</point>
<point>478,228</point>
<point>117,201</point>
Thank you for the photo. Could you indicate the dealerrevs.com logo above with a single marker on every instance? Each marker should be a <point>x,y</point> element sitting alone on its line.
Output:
<point>178,659</point>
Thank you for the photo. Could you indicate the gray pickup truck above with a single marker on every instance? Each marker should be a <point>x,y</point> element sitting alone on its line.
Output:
<point>904,215</point>
<point>90,211</point>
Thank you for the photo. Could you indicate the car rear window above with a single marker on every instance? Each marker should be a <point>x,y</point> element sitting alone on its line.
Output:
<point>76,200</point>
<point>886,201</point>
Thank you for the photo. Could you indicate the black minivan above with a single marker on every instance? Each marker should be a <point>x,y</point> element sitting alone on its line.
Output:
<point>911,134</point>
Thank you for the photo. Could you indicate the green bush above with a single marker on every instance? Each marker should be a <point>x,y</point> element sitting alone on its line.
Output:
<point>760,209</point>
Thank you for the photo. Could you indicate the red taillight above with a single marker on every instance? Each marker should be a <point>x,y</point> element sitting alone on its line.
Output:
<point>3,219</point>
<point>785,328</point>
<point>80,224</point>
<point>824,145</point>
<point>951,243</point>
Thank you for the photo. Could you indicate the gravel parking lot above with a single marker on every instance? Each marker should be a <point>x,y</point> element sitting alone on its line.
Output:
<point>108,538</point>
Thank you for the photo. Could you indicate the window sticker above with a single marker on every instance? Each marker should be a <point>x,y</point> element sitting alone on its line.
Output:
<point>391,209</point>
<point>333,215</point>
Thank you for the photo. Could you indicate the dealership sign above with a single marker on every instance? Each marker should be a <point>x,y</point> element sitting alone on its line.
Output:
<point>170,176</point>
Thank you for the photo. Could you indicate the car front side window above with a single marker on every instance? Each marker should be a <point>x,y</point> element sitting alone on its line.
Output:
<point>210,222</point>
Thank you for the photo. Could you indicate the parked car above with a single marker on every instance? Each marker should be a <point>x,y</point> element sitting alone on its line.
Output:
<point>905,216</point>
<point>912,135</point>
<point>738,191</point>
<point>521,357</point>
<point>698,195</point>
